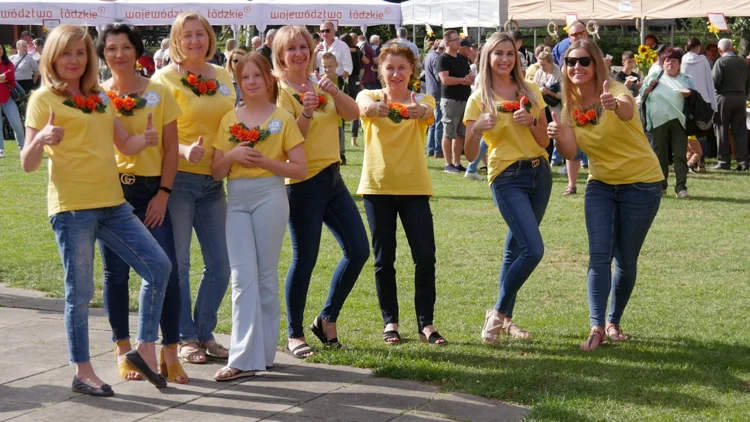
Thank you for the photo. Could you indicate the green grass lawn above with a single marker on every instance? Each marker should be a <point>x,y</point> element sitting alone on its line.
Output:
<point>689,358</point>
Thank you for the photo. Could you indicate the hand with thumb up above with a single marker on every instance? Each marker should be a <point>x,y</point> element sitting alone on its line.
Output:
<point>486,121</point>
<point>150,134</point>
<point>195,151</point>
<point>51,135</point>
<point>415,110</point>
<point>609,102</point>
<point>556,129</point>
<point>379,108</point>
<point>521,116</point>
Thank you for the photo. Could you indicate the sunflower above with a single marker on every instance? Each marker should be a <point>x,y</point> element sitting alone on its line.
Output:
<point>643,49</point>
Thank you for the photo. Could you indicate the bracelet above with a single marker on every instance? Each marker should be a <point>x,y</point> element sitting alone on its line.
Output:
<point>165,189</point>
<point>306,116</point>
<point>475,134</point>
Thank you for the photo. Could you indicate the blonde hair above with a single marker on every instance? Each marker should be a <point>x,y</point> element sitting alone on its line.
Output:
<point>60,39</point>
<point>484,81</point>
<point>282,40</point>
<point>545,54</point>
<point>230,66</point>
<point>230,45</point>
<point>571,94</point>
<point>178,27</point>
<point>395,48</point>
<point>261,62</point>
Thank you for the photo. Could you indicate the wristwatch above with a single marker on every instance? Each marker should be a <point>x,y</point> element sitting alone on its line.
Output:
<point>617,104</point>
<point>533,121</point>
<point>165,189</point>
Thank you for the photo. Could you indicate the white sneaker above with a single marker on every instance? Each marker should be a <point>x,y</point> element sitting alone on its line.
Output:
<point>563,170</point>
<point>2,153</point>
<point>473,176</point>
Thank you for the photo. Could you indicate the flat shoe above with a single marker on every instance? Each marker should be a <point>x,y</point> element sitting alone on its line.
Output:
<point>432,339</point>
<point>79,386</point>
<point>141,366</point>
<point>391,337</point>
<point>233,375</point>
<point>299,351</point>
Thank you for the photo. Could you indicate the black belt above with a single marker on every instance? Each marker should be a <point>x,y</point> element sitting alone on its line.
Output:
<point>132,179</point>
<point>527,164</point>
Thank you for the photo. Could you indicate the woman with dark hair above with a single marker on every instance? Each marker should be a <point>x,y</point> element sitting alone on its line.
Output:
<point>666,120</point>
<point>9,107</point>
<point>146,180</point>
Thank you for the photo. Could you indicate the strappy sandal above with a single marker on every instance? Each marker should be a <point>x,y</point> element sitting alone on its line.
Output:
<point>570,190</point>
<point>512,330</point>
<point>302,351</point>
<point>391,337</point>
<point>492,328</point>
<point>174,371</point>
<point>615,333</point>
<point>317,328</point>
<point>233,374</point>
<point>190,353</point>
<point>214,350</point>
<point>433,339</point>
<point>125,367</point>
<point>595,339</point>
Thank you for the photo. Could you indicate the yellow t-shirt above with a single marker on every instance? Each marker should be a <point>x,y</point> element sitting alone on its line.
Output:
<point>164,110</point>
<point>618,151</point>
<point>394,162</point>
<point>201,115</point>
<point>284,135</point>
<point>82,169</point>
<point>508,141</point>
<point>322,140</point>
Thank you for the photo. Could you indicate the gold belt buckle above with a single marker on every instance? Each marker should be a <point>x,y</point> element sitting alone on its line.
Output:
<point>535,162</point>
<point>127,179</point>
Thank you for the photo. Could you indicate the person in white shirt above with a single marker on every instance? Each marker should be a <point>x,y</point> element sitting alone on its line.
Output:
<point>256,42</point>
<point>161,57</point>
<point>403,38</point>
<point>38,44</point>
<point>339,49</point>
<point>26,68</point>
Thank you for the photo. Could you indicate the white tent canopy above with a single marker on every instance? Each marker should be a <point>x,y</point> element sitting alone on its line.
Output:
<point>163,12</point>
<point>360,13</point>
<point>78,12</point>
<point>452,13</point>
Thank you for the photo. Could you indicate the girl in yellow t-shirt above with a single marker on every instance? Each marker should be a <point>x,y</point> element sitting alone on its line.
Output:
<point>204,93</point>
<point>257,145</point>
<point>508,113</point>
<point>146,180</point>
<point>395,182</point>
<point>72,120</point>
<point>623,192</point>
<point>321,197</point>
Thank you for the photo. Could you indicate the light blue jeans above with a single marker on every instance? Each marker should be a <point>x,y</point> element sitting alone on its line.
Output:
<point>435,133</point>
<point>121,231</point>
<point>10,109</point>
<point>475,164</point>
<point>198,202</point>
<point>258,211</point>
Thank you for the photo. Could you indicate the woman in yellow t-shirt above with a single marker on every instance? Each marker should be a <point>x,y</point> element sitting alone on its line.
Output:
<point>624,188</point>
<point>204,93</point>
<point>258,144</point>
<point>146,180</point>
<point>508,113</point>
<point>321,197</point>
<point>72,120</point>
<point>395,182</point>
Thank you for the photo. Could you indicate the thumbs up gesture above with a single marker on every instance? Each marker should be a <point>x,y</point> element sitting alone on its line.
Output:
<point>310,102</point>
<point>609,102</point>
<point>150,134</point>
<point>486,121</point>
<point>379,109</point>
<point>521,116</point>
<point>195,151</point>
<point>51,135</point>
<point>555,128</point>
<point>415,110</point>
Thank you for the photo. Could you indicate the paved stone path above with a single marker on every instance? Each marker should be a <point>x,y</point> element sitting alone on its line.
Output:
<point>35,383</point>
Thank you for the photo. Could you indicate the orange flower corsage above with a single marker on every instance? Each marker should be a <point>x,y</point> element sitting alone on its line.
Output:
<point>241,133</point>
<point>397,112</point>
<point>513,106</point>
<point>86,104</point>
<point>200,86</point>
<point>125,104</point>
<point>322,100</point>
<point>583,117</point>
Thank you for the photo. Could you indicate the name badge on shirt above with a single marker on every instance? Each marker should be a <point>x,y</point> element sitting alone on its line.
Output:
<point>224,90</point>
<point>274,126</point>
<point>152,98</point>
<point>104,97</point>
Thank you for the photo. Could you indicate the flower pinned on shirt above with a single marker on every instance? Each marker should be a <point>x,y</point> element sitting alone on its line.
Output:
<point>586,116</point>
<point>397,112</point>
<point>513,106</point>
<point>125,104</point>
<point>199,85</point>
<point>241,133</point>
<point>86,104</point>
<point>322,100</point>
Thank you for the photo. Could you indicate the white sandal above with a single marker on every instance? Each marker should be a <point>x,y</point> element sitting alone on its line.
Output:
<point>491,335</point>
<point>232,374</point>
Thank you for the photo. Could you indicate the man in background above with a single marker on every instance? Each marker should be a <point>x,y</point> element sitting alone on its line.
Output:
<point>265,49</point>
<point>732,82</point>
<point>433,87</point>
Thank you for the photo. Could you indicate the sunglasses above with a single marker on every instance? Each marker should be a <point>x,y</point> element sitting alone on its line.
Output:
<point>325,31</point>
<point>573,61</point>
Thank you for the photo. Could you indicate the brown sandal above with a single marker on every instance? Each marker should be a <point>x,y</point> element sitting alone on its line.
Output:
<point>215,350</point>
<point>570,190</point>
<point>615,333</point>
<point>191,353</point>
<point>595,339</point>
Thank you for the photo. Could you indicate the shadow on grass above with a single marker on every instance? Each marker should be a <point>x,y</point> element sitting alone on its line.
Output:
<point>702,198</point>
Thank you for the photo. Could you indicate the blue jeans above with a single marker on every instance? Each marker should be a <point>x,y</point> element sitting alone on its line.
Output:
<point>117,272</point>
<point>10,109</point>
<point>435,132</point>
<point>416,218</point>
<point>121,231</point>
<point>618,218</point>
<point>199,202</point>
<point>521,195</point>
<point>475,164</point>
<point>322,199</point>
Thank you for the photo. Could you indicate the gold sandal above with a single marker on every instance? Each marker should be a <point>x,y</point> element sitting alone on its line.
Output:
<point>215,350</point>
<point>190,353</point>
<point>492,327</point>
<point>171,372</point>
<point>125,367</point>
<point>513,330</point>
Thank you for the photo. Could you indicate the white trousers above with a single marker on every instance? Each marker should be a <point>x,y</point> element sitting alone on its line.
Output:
<point>257,214</point>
